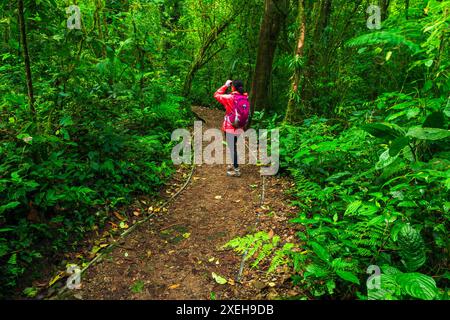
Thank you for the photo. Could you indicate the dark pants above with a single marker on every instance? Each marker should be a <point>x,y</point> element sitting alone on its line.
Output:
<point>232,146</point>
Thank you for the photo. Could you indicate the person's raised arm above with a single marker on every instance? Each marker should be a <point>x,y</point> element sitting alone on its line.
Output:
<point>221,95</point>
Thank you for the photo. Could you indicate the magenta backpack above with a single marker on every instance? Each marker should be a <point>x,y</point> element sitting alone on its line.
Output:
<point>241,110</point>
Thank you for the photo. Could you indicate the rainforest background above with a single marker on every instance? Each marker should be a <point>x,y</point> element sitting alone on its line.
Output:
<point>86,117</point>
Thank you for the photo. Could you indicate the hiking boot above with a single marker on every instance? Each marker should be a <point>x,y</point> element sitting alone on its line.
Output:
<point>234,173</point>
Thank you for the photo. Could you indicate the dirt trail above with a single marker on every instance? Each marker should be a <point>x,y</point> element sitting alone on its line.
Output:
<point>173,256</point>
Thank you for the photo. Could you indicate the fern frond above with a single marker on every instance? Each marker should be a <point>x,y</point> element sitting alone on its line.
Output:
<point>341,264</point>
<point>280,257</point>
<point>382,38</point>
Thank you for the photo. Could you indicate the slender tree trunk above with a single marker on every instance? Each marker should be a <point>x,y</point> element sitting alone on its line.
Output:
<point>140,59</point>
<point>98,21</point>
<point>317,50</point>
<point>342,36</point>
<point>326,14</point>
<point>268,38</point>
<point>384,8</point>
<point>26,57</point>
<point>323,18</point>
<point>105,21</point>
<point>7,31</point>
<point>407,9</point>
<point>293,111</point>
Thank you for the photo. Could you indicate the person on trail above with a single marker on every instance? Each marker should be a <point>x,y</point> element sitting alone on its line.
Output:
<point>237,109</point>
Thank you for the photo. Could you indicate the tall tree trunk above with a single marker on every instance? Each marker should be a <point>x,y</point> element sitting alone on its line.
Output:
<point>140,60</point>
<point>26,57</point>
<point>7,30</point>
<point>323,18</point>
<point>98,14</point>
<point>407,9</point>
<point>384,8</point>
<point>274,16</point>
<point>317,51</point>
<point>293,111</point>
<point>105,21</point>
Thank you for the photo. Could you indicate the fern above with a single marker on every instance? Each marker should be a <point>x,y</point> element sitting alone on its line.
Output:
<point>341,264</point>
<point>241,245</point>
<point>367,237</point>
<point>383,37</point>
<point>280,257</point>
<point>264,248</point>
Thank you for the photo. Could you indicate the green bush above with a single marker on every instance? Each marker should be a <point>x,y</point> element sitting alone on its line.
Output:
<point>366,201</point>
<point>50,185</point>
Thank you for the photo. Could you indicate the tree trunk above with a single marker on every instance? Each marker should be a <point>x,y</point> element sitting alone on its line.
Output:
<point>293,111</point>
<point>98,21</point>
<point>384,9</point>
<point>407,9</point>
<point>140,60</point>
<point>323,18</point>
<point>7,30</point>
<point>26,57</point>
<point>188,81</point>
<point>268,38</point>
<point>317,50</point>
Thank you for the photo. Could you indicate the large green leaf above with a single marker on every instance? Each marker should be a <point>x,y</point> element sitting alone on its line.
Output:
<point>385,131</point>
<point>348,276</point>
<point>447,108</point>
<point>412,113</point>
<point>412,248</point>
<point>417,285</point>
<point>398,145</point>
<point>430,134</point>
<point>316,270</point>
<point>321,252</point>
<point>385,160</point>
<point>396,115</point>
<point>390,270</point>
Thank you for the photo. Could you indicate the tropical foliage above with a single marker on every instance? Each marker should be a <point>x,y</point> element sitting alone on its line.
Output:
<point>86,116</point>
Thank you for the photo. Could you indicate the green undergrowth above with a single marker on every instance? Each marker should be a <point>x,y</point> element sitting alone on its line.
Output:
<point>373,196</point>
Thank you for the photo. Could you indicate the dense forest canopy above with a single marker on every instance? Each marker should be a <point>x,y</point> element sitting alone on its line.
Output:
<point>90,92</point>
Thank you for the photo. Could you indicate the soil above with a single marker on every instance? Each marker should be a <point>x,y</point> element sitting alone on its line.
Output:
<point>173,256</point>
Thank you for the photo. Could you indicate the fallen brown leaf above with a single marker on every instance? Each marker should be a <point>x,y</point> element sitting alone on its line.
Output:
<point>175,286</point>
<point>118,216</point>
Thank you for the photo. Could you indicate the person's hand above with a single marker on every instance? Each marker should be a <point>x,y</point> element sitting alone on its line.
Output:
<point>229,83</point>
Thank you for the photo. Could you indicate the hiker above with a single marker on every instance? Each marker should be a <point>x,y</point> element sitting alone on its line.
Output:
<point>237,113</point>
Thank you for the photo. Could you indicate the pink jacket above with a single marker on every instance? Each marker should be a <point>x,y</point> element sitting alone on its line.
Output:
<point>227,100</point>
